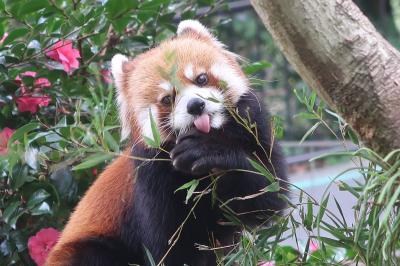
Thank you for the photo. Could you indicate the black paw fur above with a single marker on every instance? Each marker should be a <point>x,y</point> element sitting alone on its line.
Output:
<point>198,153</point>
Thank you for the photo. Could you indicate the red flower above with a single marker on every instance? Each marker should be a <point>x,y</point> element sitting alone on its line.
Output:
<point>41,244</point>
<point>43,83</point>
<point>40,82</point>
<point>32,104</point>
<point>5,135</point>
<point>26,74</point>
<point>63,52</point>
<point>106,75</point>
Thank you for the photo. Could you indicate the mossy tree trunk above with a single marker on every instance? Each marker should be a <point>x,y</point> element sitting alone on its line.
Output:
<point>339,53</point>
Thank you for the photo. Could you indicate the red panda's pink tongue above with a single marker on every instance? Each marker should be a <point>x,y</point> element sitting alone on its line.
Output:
<point>202,123</point>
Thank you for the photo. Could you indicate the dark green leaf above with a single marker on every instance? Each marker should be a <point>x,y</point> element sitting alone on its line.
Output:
<point>41,209</point>
<point>15,34</point>
<point>10,210</point>
<point>33,6</point>
<point>37,198</point>
<point>64,183</point>
<point>308,221</point>
<point>20,132</point>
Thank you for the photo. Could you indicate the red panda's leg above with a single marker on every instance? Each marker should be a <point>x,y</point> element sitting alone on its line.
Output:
<point>97,218</point>
<point>95,251</point>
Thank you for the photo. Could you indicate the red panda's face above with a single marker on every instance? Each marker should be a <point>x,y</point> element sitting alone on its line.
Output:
<point>185,82</point>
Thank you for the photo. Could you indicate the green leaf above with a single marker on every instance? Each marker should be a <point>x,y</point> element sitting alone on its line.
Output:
<point>322,209</point>
<point>33,6</point>
<point>313,97</point>
<point>64,182</point>
<point>43,208</point>
<point>191,190</point>
<point>306,116</point>
<point>286,255</point>
<point>353,136</point>
<point>93,160</point>
<point>20,176</point>
<point>340,211</point>
<point>262,170</point>
<point>309,216</point>
<point>310,131</point>
<point>10,210</point>
<point>154,130</point>
<point>15,34</point>
<point>333,242</point>
<point>256,66</point>
<point>273,187</point>
<point>191,186</point>
<point>37,198</point>
<point>20,132</point>
<point>14,219</point>
<point>110,141</point>
<point>150,142</point>
<point>115,8</point>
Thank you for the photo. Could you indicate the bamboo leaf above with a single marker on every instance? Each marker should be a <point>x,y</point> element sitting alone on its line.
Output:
<point>310,131</point>
<point>262,170</point>
<point>93,161</point>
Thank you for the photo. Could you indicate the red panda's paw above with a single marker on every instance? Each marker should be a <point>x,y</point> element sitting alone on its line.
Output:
<point>198,153</point>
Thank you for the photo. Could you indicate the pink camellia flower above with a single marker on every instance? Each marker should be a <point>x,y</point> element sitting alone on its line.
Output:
<point>40,82</point>
<point>5,35</point>
<point>5,135</point>
<point>28,74</point>
<point>313,246</point>
<point>40,245</point>
<point>106,75</point>
<point>31,103</point>
<point>63,52</point>
<point>266,263</point>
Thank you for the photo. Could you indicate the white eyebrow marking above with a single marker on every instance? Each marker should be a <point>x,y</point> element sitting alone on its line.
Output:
<point>189,74</point>
<point>237,85</point>
<point>165,85</point>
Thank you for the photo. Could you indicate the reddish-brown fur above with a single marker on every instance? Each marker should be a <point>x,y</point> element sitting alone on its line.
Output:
<point>100,210</point>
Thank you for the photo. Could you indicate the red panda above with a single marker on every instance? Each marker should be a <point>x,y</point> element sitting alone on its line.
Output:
<point>191,87</point>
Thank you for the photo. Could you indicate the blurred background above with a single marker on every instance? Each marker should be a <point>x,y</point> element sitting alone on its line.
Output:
<point>242,31</point>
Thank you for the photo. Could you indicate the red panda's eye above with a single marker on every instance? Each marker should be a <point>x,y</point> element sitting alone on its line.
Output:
<point>202,79</point>
<point>166,100</point>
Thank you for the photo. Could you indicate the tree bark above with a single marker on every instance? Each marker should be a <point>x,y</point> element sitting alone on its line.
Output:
<point>339,53</point>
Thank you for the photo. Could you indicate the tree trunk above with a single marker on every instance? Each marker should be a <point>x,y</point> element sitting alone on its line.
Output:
<point>339,53</point>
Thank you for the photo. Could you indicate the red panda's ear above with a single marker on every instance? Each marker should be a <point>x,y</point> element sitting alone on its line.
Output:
<point>118,70</point>
<point>194,26</point>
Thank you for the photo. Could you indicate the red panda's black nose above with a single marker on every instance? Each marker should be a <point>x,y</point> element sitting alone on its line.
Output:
<point>196,106</point>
